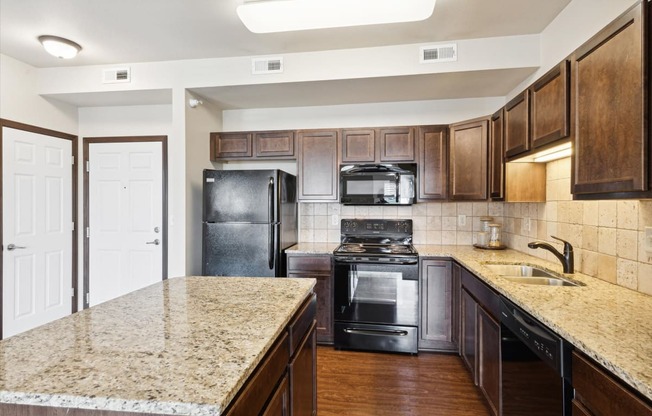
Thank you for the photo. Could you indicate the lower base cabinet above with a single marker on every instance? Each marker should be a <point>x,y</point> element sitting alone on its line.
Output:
<point>489,359</point>
<point>279,405</point>
<point>598,393</point>
<point>303,373</point>
<point>437,327</point>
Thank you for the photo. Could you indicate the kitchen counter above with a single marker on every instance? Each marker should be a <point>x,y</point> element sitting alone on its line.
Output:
<point>609,323</point>
<point>184,346</point>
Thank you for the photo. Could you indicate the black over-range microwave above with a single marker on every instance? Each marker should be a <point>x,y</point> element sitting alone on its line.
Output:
<point>378,184</point>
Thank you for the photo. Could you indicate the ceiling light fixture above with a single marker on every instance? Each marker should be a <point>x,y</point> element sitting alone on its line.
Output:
<point>59,47</point>
<point>267,16</point>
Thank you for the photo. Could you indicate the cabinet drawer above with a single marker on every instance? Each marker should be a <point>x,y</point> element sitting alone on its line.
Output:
<point>309,263</point>
<point>601,393</point>
<point>302,322</point>
<point>485,296</point>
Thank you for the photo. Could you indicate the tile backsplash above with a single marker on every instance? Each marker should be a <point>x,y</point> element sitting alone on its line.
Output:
<point>607,236</point>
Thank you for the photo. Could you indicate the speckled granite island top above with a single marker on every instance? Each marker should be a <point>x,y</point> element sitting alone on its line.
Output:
<point>184,346</point>
<point>609,323</point>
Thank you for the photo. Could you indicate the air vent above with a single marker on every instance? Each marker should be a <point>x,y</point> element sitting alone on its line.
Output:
<point>113,75</point>
<point>438,53</point>
<point>266,65</point>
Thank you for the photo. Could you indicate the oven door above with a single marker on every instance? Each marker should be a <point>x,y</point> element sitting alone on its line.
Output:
<point>376,293</point>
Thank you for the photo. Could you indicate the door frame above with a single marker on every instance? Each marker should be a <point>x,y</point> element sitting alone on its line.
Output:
<point>59,135</point>
<point>87,141</point>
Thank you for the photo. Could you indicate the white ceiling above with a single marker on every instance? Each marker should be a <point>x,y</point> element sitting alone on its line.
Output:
<point>129,31</point>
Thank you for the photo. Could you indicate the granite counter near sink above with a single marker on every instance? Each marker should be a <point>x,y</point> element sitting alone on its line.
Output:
<point>184,346</point>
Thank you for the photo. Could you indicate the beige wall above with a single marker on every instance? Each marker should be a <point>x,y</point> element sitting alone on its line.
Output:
<point>607,236</point>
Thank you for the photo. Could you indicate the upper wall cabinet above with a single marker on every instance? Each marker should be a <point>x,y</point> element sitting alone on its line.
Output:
<point>550,106</point>
<point>433,156</point>
<point>468,160</point>
<point>517,125</point>
<point>496,156</point>
<point>609,87</point>
<point>387,144</point>
<point>317,165</point>
<point>253,145</point>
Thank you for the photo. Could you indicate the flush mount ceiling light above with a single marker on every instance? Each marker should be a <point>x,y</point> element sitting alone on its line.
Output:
<point>59,47</point>
<point>267,16</point>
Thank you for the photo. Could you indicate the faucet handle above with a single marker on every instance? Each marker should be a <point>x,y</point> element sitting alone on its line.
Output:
<point>567,246</point>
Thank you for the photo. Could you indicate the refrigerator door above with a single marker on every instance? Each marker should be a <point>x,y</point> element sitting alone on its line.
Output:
<point>240,196</point>
<point>233,249</point>
<point>288,209</point>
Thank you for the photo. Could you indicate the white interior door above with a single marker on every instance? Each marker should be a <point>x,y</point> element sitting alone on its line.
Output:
<point>37,229</point>
<point>125,233</point>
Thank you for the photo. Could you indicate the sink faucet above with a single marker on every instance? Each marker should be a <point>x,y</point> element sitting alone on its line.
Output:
<point>566,259</point>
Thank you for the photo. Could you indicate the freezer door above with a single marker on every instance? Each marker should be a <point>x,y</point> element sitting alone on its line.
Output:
<point>288,209</point>
<point>240,196</point>
<point>249,250</point>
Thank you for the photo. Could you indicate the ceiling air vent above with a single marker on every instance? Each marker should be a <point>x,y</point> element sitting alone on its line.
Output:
<point>266,65</point>
<point>113,75</point>
<point>438,53</point>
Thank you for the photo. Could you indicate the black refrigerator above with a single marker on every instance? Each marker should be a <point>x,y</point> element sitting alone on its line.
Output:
<point>249,219</point>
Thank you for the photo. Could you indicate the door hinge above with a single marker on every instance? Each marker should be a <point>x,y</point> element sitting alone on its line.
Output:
<point>73,226</point>
<point>72,158</point>
<point>88,232</point>
<point>72,292</point>
<point>88,298</point>
<point>88,166</point>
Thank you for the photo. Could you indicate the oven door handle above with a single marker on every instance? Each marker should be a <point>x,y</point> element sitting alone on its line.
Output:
<point>377,332</point>
<point>388,263</point>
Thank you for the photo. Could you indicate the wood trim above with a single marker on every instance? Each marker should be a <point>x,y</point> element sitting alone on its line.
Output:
<point>164,160</point>
<point>66,136</point>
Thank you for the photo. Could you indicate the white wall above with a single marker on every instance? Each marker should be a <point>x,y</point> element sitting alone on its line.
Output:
<point>200,121</point>
<point>576,24</point>
<point>19,99</point>
<point>361,115</point>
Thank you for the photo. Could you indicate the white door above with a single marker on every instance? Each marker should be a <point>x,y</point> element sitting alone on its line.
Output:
<point>37,229</point>
<point>125,233</point>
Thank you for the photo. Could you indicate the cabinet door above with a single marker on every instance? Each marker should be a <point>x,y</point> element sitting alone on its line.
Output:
<point>550,96</point>
<point>433,167</point>
<point>468,160</point>
<point>274,144</point>
<point>468,341</point>
<point>457,292</point>
<point>317,166</point>
<point>436,323</point>
<point>358,145</point>
<point>303,378</point>
<point>324,291</point>
<point>488,357</point>
<point>517,127</point>
<point>496,156</point>
<point>279,404</point>
<point>231,145</point>
<point>397,144</point>
<point>607,96</point>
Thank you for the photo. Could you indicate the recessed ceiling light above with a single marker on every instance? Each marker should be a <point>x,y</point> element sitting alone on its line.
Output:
<point>59,47</point>
<point>266,16</point>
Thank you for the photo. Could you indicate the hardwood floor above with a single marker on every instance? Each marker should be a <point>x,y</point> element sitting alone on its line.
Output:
<point>376,384</point>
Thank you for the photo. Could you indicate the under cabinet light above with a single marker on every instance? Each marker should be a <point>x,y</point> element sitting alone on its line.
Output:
<point>266,16</point>
<point>59,47</point>
<point>555,153</point>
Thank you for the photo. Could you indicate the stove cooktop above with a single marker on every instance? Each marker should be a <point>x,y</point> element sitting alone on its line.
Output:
<point>376,249</point>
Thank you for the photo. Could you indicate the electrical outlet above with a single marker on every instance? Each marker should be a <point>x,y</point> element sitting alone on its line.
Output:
<point>334,219</point>
<point>526,224</point>
<point>461,220</point>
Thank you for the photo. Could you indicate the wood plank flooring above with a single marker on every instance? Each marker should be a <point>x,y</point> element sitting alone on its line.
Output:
<point>377,384</point>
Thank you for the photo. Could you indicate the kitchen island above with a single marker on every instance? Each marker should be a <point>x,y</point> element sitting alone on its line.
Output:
<point>184,346</point>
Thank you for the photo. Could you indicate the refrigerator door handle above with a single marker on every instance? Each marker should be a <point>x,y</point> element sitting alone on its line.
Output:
<point>270,199</point>
<point>271,255</point>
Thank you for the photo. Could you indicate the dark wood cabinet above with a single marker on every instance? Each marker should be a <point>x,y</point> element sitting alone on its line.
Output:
<point>468,322</point>
<point>456,271</point>
<point>517,125</point>
<point>467,172</point>
<point>608,99</point>
<point>274,144</point>
<point>317,165</point>
<point>437,328</point>
<point>252,145</point>
<point>550,106</point>
<point>433,162</point>
<point>279,404</point>
<point>317,267</point>
<point>488,355</point>
<point>497,156</point>
<point>598,392</point>
<point>358,145</point>
<point>386,144</point>
<point>303,375</point>
<point>397,144</point>
<point>231,145</point>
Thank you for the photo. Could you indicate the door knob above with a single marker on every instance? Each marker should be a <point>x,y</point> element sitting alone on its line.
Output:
<point>12,247</point>
<point>155,242</point>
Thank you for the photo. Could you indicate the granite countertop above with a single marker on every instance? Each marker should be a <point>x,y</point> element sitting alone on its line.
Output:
<point>184,346</point>
<point>312,248</point>
<point>609,323</point>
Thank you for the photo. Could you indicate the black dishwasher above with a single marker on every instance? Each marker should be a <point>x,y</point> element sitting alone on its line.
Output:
<point>535,366</point>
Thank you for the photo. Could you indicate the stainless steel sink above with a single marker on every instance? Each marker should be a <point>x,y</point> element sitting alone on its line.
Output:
<point>529,275</point>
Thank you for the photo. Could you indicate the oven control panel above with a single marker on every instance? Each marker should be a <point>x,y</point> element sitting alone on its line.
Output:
<point>380,227</point>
